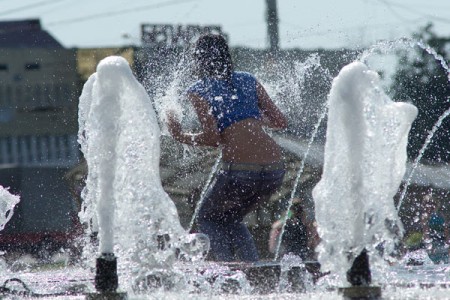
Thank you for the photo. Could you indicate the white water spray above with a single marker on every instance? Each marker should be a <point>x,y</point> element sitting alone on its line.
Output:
<point>435,128</point>
<point>291,88</point>
<point>365,160</point>
<point>7,203</point>
<point>120,138</point>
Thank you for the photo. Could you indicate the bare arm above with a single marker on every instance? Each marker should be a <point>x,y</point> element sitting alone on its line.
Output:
<point>274,235</point>
<point>272,116</point>
<point>313,239</point>
<point>209,136</point>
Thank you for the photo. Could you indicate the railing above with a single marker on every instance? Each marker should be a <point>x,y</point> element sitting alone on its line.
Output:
<point>45,150</point>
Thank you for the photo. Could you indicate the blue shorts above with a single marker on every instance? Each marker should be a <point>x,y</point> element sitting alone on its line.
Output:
<point>232,195</point>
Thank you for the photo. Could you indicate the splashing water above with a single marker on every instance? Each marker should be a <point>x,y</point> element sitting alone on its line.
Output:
<point>167,92</point>
<point>119,136</point>
<point>297,179</point>
<point>302,70</point>
<point>204,190</point>
<point>415,164</point>
<point>365,160</point>
<point>437,56</point>
<point>137,195</point>
<point>388,46</point>
<point>286,91</point>
<point>435,128</point>
<point>167,98</point>
<point>7,203</point>
<point>289,90</point>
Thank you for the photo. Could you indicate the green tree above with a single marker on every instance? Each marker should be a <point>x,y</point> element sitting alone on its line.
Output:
<point>423,79</point>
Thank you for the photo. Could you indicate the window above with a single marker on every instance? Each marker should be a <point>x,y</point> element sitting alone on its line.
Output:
<point>32,66</point>
<point>3,67</point>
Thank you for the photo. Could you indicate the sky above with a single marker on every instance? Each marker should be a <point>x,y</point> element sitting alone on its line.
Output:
<point>304,24</point>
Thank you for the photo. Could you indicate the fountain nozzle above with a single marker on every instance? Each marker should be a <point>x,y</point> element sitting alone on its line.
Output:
<point>359,273</point>
<point>106,279</point>
<point>360,277</point>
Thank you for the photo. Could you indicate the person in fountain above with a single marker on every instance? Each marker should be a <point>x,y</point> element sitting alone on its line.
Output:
<point>435,231</point>
<point>300,235</point>
<point>233,109</point>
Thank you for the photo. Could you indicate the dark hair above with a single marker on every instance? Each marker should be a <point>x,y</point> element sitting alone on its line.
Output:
<point>212,57</point>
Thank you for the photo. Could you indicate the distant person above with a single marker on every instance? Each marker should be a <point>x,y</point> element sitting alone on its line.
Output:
<point>435,231</point>
<point>233,109</point>
<point>300,235</point>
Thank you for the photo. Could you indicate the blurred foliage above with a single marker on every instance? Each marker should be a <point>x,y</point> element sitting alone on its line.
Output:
<point>421,78</point>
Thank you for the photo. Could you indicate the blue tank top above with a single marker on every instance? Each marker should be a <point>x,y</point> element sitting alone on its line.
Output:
<point>230,102</point>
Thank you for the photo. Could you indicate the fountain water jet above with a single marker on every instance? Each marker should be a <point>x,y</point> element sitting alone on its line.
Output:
<point>419,157</point>
<point>7,204</point>
<point>389,46</point>
<point>385,46</point>
<point>93,186</point>
<point>119,137</point>
<point>287,94</point>
<point>365,160</point>
<point>411,275</point>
